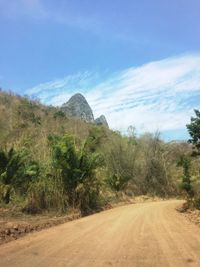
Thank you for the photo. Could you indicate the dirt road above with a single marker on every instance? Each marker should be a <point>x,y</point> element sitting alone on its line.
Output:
<point>148,234</point>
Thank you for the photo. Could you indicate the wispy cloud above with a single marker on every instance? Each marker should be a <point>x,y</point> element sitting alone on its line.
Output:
<point>158,95</point>
<point>21,8</point>
<point>64,13</point>
<point>39,9</point>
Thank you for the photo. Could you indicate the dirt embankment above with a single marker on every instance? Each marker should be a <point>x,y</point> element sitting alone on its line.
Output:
<point>15,225</point>
<point>192,214</point>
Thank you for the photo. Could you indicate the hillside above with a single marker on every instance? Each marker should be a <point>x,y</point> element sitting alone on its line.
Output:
<point>53,162</point>
<point>27,121</point>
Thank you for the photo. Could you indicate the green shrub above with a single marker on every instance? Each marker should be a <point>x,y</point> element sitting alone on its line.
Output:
<point>76,166</point>
<point>184,161</point>
<point>47,193</point>
<point>17,170</point>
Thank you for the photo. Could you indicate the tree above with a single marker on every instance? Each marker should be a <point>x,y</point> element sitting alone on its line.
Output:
<point>17,170</point>
<point>194,131</point>
<point>184,161</point>
<point>132,134</point>
<point>120,156</point>
<point>77,167</point>
<point>155,178</point>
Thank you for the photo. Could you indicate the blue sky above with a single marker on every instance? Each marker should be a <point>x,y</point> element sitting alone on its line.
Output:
<point>138,62</point>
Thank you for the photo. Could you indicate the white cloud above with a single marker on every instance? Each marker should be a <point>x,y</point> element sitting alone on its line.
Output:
<point>158,95</point>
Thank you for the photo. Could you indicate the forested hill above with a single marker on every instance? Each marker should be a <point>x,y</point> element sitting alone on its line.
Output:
<point>49,161</point>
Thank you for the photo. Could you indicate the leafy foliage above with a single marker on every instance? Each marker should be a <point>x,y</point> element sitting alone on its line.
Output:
<point>76,167</point>
<point>194,131</point>
<point>55,162</point>
<point>17,170</point>
<point>184,161</point>
<point>59,114</point>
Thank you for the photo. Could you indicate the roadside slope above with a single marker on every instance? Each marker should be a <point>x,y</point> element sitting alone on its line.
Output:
<point>148,234</point>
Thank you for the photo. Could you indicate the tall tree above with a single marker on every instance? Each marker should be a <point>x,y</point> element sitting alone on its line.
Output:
<point>194,131</point>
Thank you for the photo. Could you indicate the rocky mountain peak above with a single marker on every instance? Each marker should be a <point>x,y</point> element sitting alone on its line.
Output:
<point>78,107</point>
<point>101,121</point>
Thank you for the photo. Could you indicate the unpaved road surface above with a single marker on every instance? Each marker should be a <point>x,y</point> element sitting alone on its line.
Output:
<point>141,235</point>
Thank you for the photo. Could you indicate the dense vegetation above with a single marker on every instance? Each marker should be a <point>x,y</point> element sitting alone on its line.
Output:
<point>192,186</point>
<point>50,162</point>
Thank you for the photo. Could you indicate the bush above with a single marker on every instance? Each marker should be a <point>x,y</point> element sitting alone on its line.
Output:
<point>17,170</point>
<point>47,193</point>
<point>59,114</point>
<point>76,167</point>
<point>184,161</point>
